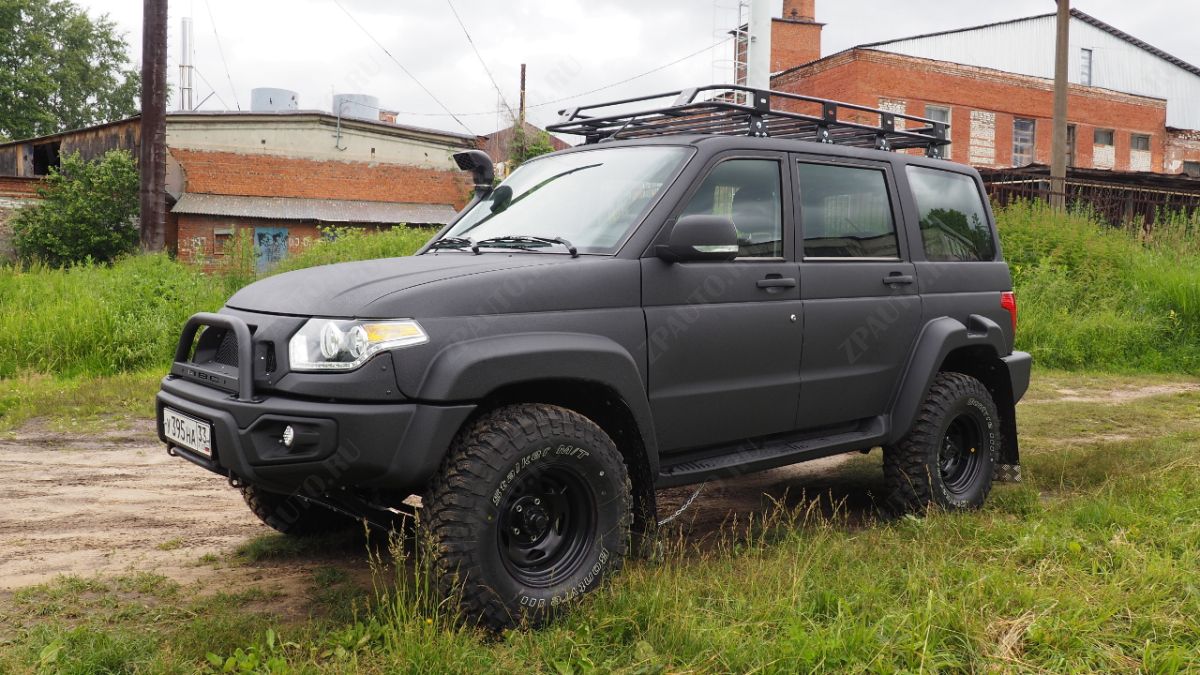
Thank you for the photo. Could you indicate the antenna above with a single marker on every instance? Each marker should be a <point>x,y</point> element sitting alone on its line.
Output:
<point>186,67</point>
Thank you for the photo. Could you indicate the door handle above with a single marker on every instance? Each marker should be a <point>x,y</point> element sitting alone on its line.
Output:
<point>898,279</point>
<point>776,282</point>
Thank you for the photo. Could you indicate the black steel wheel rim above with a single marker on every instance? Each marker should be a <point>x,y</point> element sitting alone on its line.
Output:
<point>960,454</point>
<point>547,523</point>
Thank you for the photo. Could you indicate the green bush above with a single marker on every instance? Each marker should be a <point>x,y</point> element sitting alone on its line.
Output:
<point>88,211</point>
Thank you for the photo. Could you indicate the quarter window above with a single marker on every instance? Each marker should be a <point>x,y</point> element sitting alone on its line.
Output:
<point>748,192</point>
<point>845,212</point>
<point>1024,139</point>
<point>954,223</point>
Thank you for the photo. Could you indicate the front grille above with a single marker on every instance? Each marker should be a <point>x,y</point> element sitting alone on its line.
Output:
<point>227,350</point>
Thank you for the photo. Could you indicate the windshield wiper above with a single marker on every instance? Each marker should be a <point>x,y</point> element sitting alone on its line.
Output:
<point>456,243</point>
<point>523,241</point>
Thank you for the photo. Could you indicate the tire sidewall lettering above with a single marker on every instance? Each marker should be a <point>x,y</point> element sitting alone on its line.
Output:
<point>518,468</point>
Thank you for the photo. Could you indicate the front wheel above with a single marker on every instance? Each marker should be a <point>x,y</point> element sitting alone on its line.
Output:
<point>948,457</point>
<point>530,511</point>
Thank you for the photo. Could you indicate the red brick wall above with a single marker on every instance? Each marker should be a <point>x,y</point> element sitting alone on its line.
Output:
<point>227,173</point>
<point>865,76</point>
<point>794,42</point>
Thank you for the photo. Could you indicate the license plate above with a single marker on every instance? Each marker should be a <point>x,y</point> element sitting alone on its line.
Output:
<point>188,432</point>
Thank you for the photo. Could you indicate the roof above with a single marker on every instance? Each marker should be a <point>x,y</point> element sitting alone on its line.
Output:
<point>374,125</point>
<point>320,210</point>
<point>1086,18</point>
<point>499,142</point>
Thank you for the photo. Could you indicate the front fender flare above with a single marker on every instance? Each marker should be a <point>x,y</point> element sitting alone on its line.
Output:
<point>471,369</point>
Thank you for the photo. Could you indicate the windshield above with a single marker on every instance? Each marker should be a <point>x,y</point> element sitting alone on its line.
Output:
<point>591,199</point>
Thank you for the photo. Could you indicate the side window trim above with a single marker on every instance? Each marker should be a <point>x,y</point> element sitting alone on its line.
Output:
<point>787,203</point>
<point>894,204</point>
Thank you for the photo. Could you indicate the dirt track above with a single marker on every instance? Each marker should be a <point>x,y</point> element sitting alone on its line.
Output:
<point>117,503</point>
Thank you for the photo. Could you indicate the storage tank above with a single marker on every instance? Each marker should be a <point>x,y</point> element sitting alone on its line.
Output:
<point>270,99</point>
<point>360,106</point>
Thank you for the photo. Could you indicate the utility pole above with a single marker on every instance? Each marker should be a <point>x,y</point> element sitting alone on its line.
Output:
<point>521,119</point>
<point>152,153</point>
<point>1058,162</point>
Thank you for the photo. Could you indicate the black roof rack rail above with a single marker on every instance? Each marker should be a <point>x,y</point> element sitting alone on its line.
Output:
<point>734,110</point>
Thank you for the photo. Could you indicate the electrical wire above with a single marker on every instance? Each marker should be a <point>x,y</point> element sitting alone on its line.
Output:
<point>401,66</point>
<point>221,51</point>
<point>479,56</point>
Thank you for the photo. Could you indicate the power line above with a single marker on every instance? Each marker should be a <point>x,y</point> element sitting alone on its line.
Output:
<point>480,57</point>
<point>221,51</point>
<point>401,66</point>
<point>582,93</point>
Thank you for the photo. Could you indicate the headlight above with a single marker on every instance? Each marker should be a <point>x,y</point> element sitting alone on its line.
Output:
<point>328,344</point>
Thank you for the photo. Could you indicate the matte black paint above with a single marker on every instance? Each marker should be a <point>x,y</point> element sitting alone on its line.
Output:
<point>725,366</point>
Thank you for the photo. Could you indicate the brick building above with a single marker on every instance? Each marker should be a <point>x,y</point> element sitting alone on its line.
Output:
<point>1131,106</point>
<point>278,175</point>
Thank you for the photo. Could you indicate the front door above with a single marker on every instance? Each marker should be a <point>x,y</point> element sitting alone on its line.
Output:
<point>861,307</point>
<point>724,338</point>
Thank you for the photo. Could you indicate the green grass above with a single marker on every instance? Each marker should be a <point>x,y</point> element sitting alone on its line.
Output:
<point>1089,566</point>
<point>78,403</point>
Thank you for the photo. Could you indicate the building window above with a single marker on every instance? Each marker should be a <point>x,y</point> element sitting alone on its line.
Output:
<point>1192,169</point>
<point>222,240</point>
<point>1085,67</point>
<point>1139,142</point>
<point>1103,137</point>
<point>939,113</point>
<point>1024,135</point>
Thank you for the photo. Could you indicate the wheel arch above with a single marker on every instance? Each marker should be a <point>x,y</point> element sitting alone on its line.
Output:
<point>973,348</point>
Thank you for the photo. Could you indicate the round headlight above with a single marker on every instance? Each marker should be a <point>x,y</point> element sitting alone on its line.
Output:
<point>357,341</point>
<point>332,341</point>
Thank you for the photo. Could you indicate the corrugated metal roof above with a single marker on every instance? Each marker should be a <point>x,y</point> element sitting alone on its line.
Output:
<point>320,210</point>
<point>1086,18</point>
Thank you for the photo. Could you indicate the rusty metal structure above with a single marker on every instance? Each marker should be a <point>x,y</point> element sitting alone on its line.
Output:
<point>1122,199</point>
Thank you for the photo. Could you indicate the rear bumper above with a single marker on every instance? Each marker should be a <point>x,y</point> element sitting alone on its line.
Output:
<point>393,446</point>
<point>1020,365</point>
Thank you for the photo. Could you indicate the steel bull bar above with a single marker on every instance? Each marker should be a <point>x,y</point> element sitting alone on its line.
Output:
<point>242,385</point>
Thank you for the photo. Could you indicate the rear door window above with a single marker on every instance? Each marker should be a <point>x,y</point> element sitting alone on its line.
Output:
<point>954,223</point>
<point>845,212</point>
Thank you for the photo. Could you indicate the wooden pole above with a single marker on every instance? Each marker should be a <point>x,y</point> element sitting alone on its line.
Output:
<point>1058,162</point>
<point>152,152</point>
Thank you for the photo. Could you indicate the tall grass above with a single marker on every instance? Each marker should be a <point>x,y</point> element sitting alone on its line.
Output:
<point>96,319</point>
<point>1100,298</point>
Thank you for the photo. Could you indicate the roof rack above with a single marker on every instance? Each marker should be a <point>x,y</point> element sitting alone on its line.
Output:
<point>734,110</point>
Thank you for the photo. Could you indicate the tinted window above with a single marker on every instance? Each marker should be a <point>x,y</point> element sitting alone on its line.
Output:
<point>845,213</point>
<point>954,224</point>
<point>748,192</point>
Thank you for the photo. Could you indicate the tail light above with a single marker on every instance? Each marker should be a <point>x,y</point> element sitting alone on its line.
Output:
<point>1008,301</point>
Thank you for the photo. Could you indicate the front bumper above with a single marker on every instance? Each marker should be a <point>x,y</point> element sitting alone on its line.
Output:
<point>392,446</point>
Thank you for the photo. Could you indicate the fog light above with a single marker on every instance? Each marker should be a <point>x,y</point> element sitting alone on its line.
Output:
<point>289,436</point>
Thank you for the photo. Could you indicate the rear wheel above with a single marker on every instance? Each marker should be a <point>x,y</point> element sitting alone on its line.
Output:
<point>530,511</point>
<point>293,515</point>
<point>948,457</point>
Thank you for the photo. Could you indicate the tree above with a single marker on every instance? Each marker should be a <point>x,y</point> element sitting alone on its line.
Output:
<point>524,148</point>
<point>88,210</point>
<point>60,69</point>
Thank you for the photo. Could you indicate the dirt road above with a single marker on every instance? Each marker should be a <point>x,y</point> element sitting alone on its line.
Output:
<point>116,503</point>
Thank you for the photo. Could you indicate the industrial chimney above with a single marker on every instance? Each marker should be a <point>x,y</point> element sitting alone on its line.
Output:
<point>795,38</point>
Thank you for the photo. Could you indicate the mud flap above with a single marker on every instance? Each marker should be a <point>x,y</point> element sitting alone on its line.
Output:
<point>1007,473</point>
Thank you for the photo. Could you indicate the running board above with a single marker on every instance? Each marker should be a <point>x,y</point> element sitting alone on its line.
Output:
<point>750,456</point>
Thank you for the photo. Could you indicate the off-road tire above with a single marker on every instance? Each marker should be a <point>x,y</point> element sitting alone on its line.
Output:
<point>485,548</point>
<point>958,418</point>
<point>292,515</point>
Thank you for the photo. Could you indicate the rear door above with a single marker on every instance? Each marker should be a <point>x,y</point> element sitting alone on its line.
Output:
<point>858,285</point>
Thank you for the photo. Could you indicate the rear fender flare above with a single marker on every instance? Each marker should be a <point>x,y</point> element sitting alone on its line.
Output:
<point>938,339</point>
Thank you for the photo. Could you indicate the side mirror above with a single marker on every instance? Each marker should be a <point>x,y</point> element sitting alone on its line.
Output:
<point>696,238</point>
<point>480,165</point>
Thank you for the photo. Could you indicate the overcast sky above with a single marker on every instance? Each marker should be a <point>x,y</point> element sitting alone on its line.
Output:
<point>571,46</point>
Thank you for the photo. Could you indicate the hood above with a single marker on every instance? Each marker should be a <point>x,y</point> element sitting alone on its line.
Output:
<point>354,289</point>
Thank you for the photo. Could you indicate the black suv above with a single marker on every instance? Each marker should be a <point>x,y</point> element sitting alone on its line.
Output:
<point>733,281</point>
